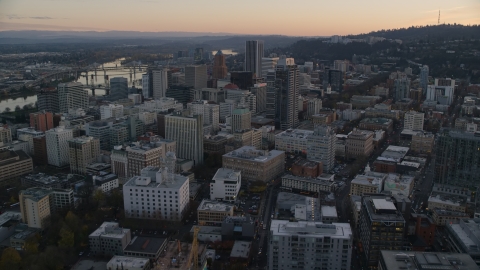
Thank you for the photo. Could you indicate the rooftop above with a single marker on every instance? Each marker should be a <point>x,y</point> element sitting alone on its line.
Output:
<point>241,249</point>
<point>295,133</point>
<point>450,199</point>
<point>379,121</point>
<point>145,244</point>
<point>208,229</point>
<point>110,230</point>
<point>251,153</point>
<point>306,163</point>
<point>211,205</point>
<point>98,166</point>
<point>411,260</point>
<point>393,153</point>
<point>35,193</point>
<point>329,211</point>
<point>123,262</point>
<point>323,179</point>
<point>313,229</point>
<point>381,208</point>
<point>224,173</point>
<point>8,216</point>
<point>370,179</point>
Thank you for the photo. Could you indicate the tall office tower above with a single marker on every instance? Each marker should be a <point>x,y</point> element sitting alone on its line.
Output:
<point>268,63</point>
<point>198,54</point>
<point>141,156</point>
<point>341,65</point>
<point>253,56</point>
<point>219,66</point>
<point>111,110</point>
<point>457,158</point>
<point>271,95</point>
<point>424,78</point>
<point>188,132</point>
<point>196,76</point>
<point>72,96</point>
<point>5,134</point>
<point>40,156</point>
<point>47,100</point>
<point>146,85</point>
<point>41,121</point>
<point>119,163</point>
<point>57,146</point>
<point>321,146</point>
<point>101,130</point>
<point>401,88</point>
<point>333,78</point>
<point>243,79</point>
<point>135,127</point>
<point>210,112</point>
<point>82,151</point>
<point>309,245</point>
<point>157,83</point>
<point>287,91</point>
<point>413,120</point>
<point>118,134</point>
<point>260,92</point>
<point>241,119</point>
<point>381,225</point>
<point>118,88</point>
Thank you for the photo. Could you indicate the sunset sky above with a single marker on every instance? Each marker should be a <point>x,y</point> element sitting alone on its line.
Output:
<point>285,17</point>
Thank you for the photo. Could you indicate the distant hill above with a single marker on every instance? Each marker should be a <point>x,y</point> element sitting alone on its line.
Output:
<point>433,32</point>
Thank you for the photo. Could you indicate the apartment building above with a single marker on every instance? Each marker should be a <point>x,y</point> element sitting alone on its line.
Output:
<point>82,151</point>
<point>369,182</point>
<point>309,245</point>
<point>13,164</point>
<point>413,120</point>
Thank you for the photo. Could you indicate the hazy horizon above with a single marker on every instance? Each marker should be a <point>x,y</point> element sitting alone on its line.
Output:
<point>248,17</point>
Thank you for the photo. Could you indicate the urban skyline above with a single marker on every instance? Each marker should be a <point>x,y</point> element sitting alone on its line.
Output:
<point>323,17</point>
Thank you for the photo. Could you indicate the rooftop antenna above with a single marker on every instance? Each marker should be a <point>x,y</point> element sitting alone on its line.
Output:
<point>439,16</point>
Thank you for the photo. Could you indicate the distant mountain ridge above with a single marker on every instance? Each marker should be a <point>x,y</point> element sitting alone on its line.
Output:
<point>446,31</point>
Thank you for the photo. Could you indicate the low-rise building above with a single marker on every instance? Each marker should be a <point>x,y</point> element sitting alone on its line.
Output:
<point>393,260</point>
<point>130,263</point>
<point>208,234</point>
<point>213,212</point>
<point>423,142</point>
<point>146,247</point>
<point>109,239</point>
<point>307,168</point>
<point>329,214</point>
<point>105,182</point>
<point>369,182</point>
<point>302,208</point>
<point>399,184</point>
<point>13,164</point>
<point>255,165</point>
<point>464,237</point>
<point>448,202</point>
<point>359,143</point>
<point>238,228</point>
<point>225,185</point>
<point>241,252</point>
<point>324,182</point>
<point>376,124</point>
<point>442,217</point>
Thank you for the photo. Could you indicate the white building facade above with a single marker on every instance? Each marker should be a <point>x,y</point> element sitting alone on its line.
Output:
<point>57,146</point>
<point>225,185</point>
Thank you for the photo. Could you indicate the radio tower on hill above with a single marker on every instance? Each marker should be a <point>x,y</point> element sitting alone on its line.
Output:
<point>439,16</point>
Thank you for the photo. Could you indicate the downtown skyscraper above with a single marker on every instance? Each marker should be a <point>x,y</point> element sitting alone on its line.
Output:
<point>284,91</point>
<point>253,56</point>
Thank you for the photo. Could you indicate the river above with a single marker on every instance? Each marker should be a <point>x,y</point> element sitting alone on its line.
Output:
<point>99,80</point>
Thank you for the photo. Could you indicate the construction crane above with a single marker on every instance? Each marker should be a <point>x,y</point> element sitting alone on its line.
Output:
<point>194,251</point>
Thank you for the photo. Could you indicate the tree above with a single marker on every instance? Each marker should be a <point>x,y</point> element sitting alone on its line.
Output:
<point>8,109</point>
<point>10,259</point>
<point>73,222</point>
<point>67,238</point>
<point>17,108</point>
<point>31,245</point>
<point>99,196</point>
